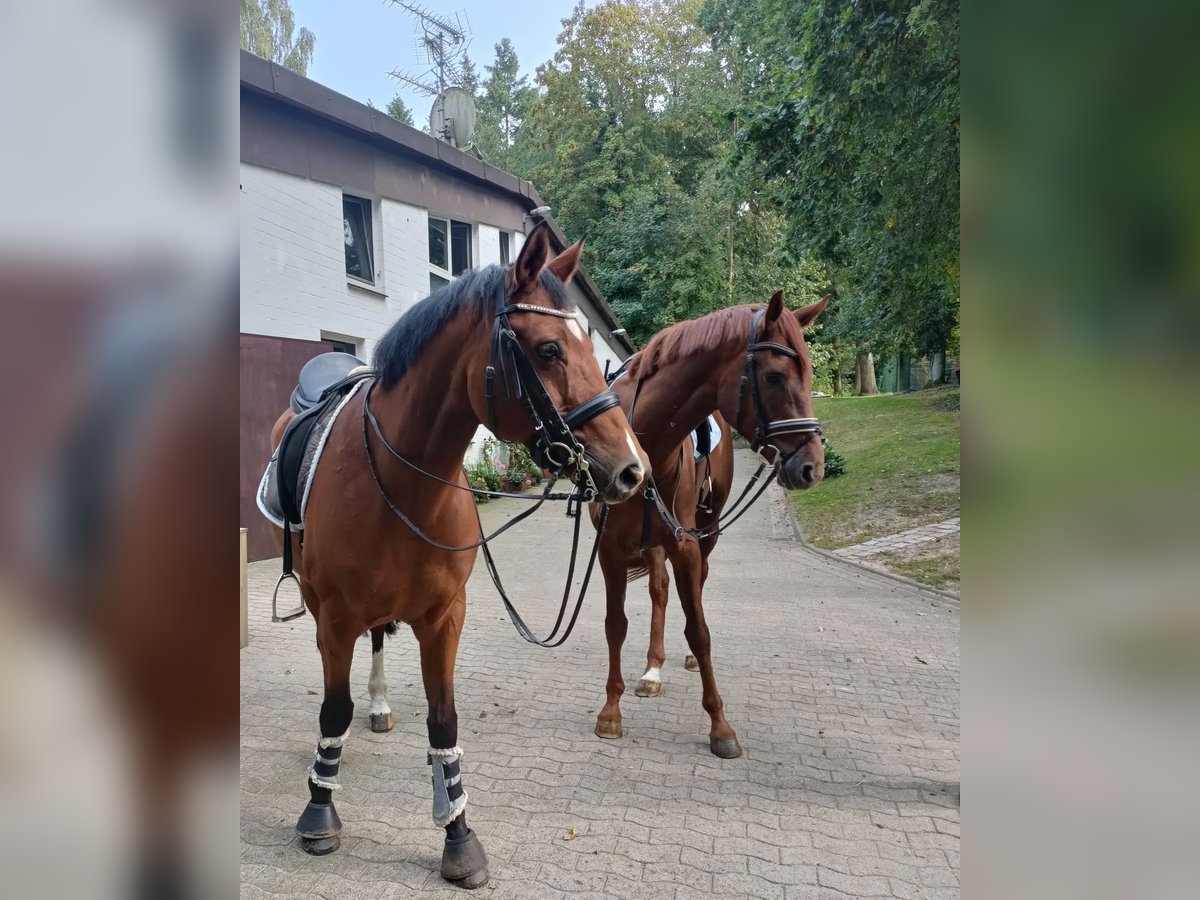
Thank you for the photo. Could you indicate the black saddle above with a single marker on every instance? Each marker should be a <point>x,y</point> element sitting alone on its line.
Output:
<point>295,447</point>
<point>319,374</point>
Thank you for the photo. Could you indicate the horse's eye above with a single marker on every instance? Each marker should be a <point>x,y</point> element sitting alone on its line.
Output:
<point>774,378</point>
<point>549,352</point>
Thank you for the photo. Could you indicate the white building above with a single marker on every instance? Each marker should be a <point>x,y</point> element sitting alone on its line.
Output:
<point>348,218</point>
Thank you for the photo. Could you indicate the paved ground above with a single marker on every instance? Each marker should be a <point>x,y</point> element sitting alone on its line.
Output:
<point>913,537</point>
<point>843,687</point>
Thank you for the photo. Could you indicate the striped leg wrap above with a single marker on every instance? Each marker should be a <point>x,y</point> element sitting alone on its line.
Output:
<point>449,798</point>
<point>324,770</point>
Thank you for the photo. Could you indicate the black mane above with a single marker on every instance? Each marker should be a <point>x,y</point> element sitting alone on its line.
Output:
<point>474,291</point>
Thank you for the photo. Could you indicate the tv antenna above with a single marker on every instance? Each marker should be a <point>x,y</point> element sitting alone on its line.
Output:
<point>441,43</point>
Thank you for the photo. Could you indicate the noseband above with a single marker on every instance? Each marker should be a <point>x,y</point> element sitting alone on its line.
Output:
<point>765,430</point>
<point>554,445</point>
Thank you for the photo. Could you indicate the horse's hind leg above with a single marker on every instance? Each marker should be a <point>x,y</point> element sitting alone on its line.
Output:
<point>688,563</point>
<point>319,826</point>
<point>381,713</point>
<point>464,862</point>
<point>650,684</point>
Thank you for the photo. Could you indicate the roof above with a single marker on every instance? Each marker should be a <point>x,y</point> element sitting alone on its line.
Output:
<point>284,86</point>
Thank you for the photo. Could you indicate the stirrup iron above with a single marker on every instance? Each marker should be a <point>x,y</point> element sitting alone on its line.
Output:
<point>292,613</point>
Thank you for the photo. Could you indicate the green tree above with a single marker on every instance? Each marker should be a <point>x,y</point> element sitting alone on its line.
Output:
<point>468,75</point>
<point>504,98</point>
<point>851,109</point>
<point>268,29</point>
<point>399,111</point>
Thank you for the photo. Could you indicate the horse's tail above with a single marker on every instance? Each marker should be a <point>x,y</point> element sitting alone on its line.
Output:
<point>635,572</point>
<point>391,628</point>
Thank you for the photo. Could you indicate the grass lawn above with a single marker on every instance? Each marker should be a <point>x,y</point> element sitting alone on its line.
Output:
<point>901,453</point>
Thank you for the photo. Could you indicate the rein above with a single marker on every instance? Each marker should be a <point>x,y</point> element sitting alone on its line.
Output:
<point>554,447</point>
<point>765,429</point>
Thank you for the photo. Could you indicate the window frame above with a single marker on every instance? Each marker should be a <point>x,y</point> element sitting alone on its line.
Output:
<point>367,206</point>
<point>472,236</point>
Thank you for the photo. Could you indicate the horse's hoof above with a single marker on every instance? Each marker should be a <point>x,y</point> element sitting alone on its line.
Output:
<point>464,863</point>
<point>647,688</point>
<point>320,846</point>
<point>319,827</point>
<point>381,722</point>
<point>726,748</point>
<point>610,731</point>
<point>691,663</point>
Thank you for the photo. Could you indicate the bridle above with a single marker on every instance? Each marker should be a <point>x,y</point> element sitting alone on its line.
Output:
<point>765,430</point>
<point>554,445</point>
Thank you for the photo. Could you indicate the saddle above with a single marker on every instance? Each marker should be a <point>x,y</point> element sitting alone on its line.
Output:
<point>319,374</point>
<point>323,382</point>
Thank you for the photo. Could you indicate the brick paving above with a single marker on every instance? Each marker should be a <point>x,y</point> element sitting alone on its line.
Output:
<point>922,534</point>
<point>842,685</point>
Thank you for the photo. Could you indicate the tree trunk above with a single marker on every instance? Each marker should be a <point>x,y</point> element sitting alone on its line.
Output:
<point>938,369</point>
<point>837,367</point>
<point>864,375</point>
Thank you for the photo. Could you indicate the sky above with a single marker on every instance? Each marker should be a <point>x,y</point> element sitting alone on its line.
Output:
<point>360,41</point>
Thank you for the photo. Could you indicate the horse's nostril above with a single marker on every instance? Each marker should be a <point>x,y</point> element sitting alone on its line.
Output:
<point>631,476</point>
<point>808,472</point>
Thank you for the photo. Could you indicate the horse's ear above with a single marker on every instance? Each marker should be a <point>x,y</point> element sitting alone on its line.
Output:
<point>530,261</point>
<point>567,263</point>
<point>775,307</point>
<point>807,315</point>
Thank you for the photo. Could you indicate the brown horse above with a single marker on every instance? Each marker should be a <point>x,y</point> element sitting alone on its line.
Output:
<point>362,566</point>
<point>751,366</point>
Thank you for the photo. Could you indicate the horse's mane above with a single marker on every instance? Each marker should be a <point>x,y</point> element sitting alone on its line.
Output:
<point>698,336</point>
<point>473,291</point>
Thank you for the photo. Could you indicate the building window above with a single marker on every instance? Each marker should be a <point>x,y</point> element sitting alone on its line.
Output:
<point>505,248</point>
<point>342,343</point>
<point>449,250</point>
<point>356,220</point>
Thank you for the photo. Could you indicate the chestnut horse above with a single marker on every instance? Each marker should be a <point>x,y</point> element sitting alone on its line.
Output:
<point>751,366</point>
<point>500,347</point>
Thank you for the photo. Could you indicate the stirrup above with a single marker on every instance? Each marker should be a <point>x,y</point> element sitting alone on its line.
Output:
<point>290,614</point>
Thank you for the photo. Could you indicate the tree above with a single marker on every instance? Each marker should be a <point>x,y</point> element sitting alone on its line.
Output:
<point>268,30</point>
<point>399,111</point>
<point>852,109</point>
<point>503,105</point>
<point>469,76</point>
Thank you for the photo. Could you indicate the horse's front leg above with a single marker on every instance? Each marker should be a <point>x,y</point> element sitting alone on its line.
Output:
<point>688,564</point>
<point>377,686</point>
<point>616,624</point>
<point>319,826</point>
<point>650,684</point>
<point>464,862</point>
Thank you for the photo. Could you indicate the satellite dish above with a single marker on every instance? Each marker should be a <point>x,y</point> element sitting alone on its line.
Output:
<point>452,117</point>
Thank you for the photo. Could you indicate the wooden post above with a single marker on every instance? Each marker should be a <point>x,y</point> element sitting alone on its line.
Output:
<point>245,624</point>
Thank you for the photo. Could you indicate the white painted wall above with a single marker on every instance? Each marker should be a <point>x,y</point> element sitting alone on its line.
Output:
<point>293,266</point>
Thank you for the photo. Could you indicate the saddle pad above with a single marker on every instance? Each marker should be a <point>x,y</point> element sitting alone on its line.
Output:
<point>705,438</point>
<point>268,491</point>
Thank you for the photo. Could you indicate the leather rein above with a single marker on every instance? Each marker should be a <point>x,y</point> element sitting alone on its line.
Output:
<point>554,447</point>
<point>765,429</point>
